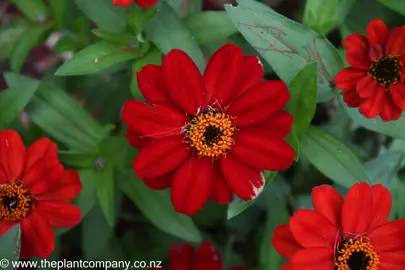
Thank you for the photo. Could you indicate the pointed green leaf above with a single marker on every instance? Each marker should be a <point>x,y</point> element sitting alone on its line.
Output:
<point>10,247</point>
<point>87,198</point>
<point>395,5</point>
<point>121,38</point>
<point>59,13</point>
<point>35,10</point>
<point>139,19</point>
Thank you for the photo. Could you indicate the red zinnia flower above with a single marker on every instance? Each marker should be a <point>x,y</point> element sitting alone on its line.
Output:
<point>34,192</point>
<point>375,80</point>
<point>184,257</point>
<point>211,135</point>
<point>140,3</point>
<point>343,234</point>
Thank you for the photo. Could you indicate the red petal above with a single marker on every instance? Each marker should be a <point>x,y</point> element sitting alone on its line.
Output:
<point>12,153</point>
<point>37,178</point>
<point>284,241</point>
<point>357,212</point>
<point>39,234</point>
<point>238,268</point>
<point>375,52</point>
<point>208,257</point>
<point>377,32</point>
<point>389,236</point>
<point>348,78</point>
<point>123,3</point>
<point>181,257</point>
<point>151,85</point>
<point>398,94</point>
<point>259,102</point>
<point>222,72</point>
<point>395,43</point>
<point>66,188</point>
<point>26,251</point>
<point>313,258</point>
<point>356,42</point>
<point>135,139</point>
<point>312,229</point>
<point>276,126</point>
<point>192,184</point>
<point>161,182</point>
<point>3,176</point>
<point>39,149</point>
<point>367,87</point>
<point>146,3</point>
<point>328,202</point>
<point>160,157</point>
<point>220,192</point>
<point>392,260</point>
<point>245,181</point>
<point>390,111</point>
<point>260,151</point>
<point>6,225</point>
<point>373,106</point>
<point>352,99</point>
<point>287,266</point>
<point>382,203</point>
<point>155,122</point>
<point>358,59</point>
<point>183,81</point>
<point>59,214</point>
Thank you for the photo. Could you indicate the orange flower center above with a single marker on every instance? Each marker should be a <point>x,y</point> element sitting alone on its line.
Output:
<point>210,133</point>
<point>356,254</point>
<point>387,70</point>
<point>15,202</point>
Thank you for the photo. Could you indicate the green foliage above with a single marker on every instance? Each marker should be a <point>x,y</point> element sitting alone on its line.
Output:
<point>10,247</point>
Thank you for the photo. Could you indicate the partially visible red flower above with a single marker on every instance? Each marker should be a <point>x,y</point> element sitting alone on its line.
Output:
<point>35,191</point>
<point>140,3</point>
<point>184,257</point>
<point>208,136</point>
<point>374,82</point>
<point>343,234</point>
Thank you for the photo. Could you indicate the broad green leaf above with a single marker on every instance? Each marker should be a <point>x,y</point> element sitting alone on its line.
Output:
<point>394,129</point>
<point>139,19</point>
<point>166,21</point>
<point>286,45</point>
<point>59,8</point>
<point>9,34</point>
<point>210,26</point>
<point>302,103</point>
<point>104,14</point>
<point>121,38</point>
<point>13,101</point>
<point>332,158</point>
<point>105,186</point>
<point>154,56</point>
<point>87,198</point>
<point>384,168</point>
<point>10,247</point>
<point>24,45</point>
<point>396,5</point>
<point>35,10</point>
<point>277,214</point>
<point>238,205</point>
<point>158,209</point>
<point>95,58</point>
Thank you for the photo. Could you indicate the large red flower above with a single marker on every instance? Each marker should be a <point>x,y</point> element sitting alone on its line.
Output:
<point>140,3</point>
<point>207,257</point>
<point>34,192</point>
<point>343,234</point>
<point>208,136</point>
<point>375,80</point>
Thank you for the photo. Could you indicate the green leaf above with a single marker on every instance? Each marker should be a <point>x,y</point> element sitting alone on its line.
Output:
<point>302,103</point>
<point>332,158</point>
<point>140,18</point>
<point>116,150</point>
<point>87,198</point>
<point>238,205</point>
<point>292,140</point>
<point>35,10</point>
<point>104,14</point>
<point>384,168</point>
<point>166,21</point>
<point>121,38</point>
<point>10,247</point>
<point>158,209</point>
<point>9,34</point>
<point>78,159</point>
<point>395,5</point>
<point>59,8</point>
<point>13,101</point>
<point>210,26</point>
<point>24,45</point>
<point>286,45</point>
<point>106,192</point>
<point>96,58</point>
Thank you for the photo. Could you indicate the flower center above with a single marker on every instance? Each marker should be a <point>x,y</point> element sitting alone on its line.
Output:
<point>15,202</point>
<point>356,254</point>
<point>386,70</point>
<point>210,133</point>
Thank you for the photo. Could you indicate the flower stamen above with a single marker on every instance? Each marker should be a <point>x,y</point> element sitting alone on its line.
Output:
<point>386,70</point>
<point>356,254</point>
<point>15,202</point>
